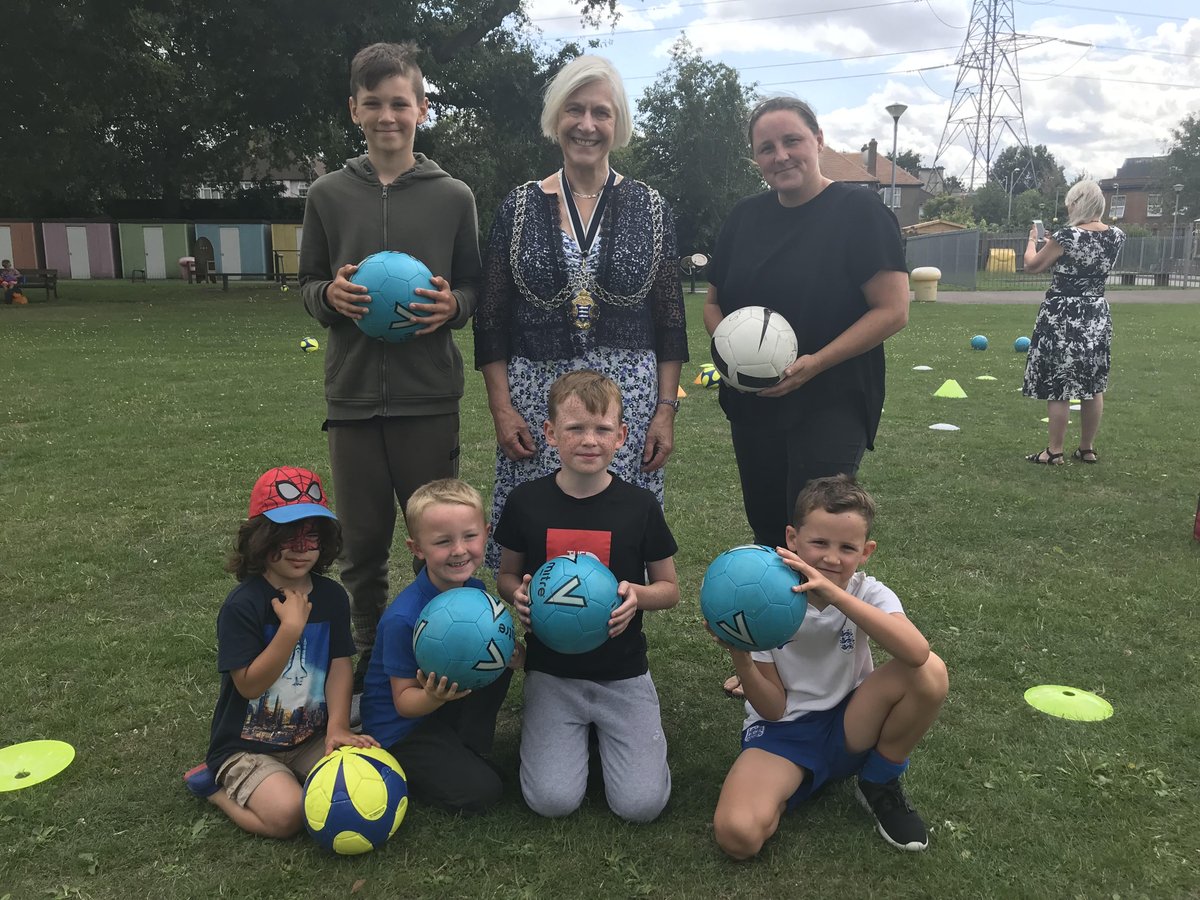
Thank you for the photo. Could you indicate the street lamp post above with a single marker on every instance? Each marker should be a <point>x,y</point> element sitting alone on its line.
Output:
<point>1012,184</point>
<point>1175,221</point>
<point>896,110</point>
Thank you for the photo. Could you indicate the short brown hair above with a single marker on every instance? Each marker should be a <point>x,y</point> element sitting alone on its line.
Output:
<point>444,490</point>
<point>776,104</point>
<point>596,391</point>
<point>834,494</point>
<point>373,64</point>
<point>259,539</point>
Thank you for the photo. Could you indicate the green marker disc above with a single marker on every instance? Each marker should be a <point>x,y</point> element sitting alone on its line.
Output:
<point>1068,703</point>
<point>33,762</point>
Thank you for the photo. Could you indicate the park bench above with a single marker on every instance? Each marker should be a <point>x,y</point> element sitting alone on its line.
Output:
<point>40,278</point>
<point>277,277</point>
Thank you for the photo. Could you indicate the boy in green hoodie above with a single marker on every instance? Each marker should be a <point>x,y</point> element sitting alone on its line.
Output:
<point>392,409</point>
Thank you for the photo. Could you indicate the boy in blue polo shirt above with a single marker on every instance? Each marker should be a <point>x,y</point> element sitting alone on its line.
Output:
<point>440,737</point>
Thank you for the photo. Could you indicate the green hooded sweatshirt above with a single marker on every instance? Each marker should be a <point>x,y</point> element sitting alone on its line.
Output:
<point>348,216</point>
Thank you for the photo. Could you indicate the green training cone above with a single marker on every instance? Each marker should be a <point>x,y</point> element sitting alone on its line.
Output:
<point>1068,703</point>
<point>950,388</point>
<point>30,763</point>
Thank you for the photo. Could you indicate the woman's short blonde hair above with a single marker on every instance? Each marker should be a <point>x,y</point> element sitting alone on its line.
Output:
<point>584,70</point>
<point>1085,203</point>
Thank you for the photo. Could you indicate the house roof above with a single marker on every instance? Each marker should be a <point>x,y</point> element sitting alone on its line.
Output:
<point>847,165</point>
<point>1142,167</point>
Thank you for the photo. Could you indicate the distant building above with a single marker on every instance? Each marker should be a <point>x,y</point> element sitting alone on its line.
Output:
<point>1142,193</point>
<point>294,179</point>
<point>873,171</point>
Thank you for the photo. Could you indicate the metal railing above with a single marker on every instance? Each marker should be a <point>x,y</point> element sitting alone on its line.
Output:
<point>973,260</point>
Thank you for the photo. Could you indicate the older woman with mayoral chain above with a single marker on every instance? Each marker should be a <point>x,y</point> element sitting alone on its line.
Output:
<point>828,257</point>
<point>580,273</point>
<point>1070,351</point>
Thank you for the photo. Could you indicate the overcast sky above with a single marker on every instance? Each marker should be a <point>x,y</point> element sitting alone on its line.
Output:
<point>1113,80</point>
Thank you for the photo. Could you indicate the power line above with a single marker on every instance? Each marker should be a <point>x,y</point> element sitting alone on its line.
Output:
<point>723,23</point>
<point>1115,12</point>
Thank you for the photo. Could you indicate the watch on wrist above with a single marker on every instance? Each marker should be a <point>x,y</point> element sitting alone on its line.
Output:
<point>674,404</point>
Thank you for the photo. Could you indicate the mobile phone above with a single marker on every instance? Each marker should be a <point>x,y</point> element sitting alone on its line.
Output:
<point>1041,230</point>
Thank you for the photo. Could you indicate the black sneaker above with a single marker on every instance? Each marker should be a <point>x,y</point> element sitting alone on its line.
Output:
<point>898,823</point>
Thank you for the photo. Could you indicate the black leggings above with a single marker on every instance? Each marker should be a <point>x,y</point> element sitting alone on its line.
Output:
<point>776,461</point>
<point>445,758</point>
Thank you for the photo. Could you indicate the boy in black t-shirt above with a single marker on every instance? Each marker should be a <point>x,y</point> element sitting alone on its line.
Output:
<point>283,648</point>
<point>583,506</point>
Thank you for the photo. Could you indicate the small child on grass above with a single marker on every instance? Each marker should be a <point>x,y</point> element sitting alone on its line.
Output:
<point>283,649</point>
<point>816,708</point>
<point>583,506</point>
<point>440,736</point>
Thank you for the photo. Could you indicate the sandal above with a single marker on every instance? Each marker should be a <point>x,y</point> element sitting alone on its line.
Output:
<point>1083,456</point>
<point>1046,458</point>
<point>733,688</point>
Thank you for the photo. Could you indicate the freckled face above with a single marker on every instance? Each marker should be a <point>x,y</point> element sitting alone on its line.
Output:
<point>586,441</point>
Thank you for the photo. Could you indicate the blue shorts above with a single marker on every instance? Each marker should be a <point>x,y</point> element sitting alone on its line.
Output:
<point>816,742</point>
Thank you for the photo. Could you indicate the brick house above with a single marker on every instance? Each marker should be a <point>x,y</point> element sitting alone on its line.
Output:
<point>873,171</point>
<point>1142,193</point>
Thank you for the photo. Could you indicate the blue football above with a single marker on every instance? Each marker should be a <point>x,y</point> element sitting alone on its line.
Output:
<point>747,598</point>
<point>571,599</point>
<point>466,635</point>
<point>390,278</point>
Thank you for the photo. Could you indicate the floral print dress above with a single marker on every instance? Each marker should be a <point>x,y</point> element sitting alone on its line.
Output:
<point>1070,351</point>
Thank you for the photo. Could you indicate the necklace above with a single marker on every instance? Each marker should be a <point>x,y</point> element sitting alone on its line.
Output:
<point>588,196</point>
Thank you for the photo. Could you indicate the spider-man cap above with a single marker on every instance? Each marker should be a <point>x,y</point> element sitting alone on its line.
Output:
<point>286,493</point>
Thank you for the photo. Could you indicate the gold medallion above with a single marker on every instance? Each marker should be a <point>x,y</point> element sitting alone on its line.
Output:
<point>584,310</point>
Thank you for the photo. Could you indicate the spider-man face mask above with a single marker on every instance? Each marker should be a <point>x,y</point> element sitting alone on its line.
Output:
<point>287,493</point>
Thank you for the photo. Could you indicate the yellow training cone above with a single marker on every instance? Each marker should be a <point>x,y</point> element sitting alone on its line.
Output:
<point>950,388</point>
<point>681,393</point>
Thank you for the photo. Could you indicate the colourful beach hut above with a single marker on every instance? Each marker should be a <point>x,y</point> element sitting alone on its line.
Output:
<point>80,248</point>
<point>18,242</point>
<point>239,246</point>
<point>285,241</point>
<point>153,249</point>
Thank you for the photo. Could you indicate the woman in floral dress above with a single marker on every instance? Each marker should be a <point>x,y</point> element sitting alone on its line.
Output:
<point>581,273</point>
<point>1069,354</point>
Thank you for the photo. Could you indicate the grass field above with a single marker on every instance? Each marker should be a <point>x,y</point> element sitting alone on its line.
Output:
<point>135,419</point>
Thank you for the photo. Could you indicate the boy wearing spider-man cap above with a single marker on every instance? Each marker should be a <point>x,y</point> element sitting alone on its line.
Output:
<point>283,650</point>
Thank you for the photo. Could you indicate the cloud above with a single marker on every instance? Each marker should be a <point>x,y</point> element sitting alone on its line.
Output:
<point>1106,86</point>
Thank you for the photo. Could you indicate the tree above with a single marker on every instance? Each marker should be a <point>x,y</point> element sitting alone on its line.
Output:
<point>909,161</point>
<point>989,204</point>
<point>691,144</point>
<point>491,135</point>
<point>138,98</point>
<point>1045,174</point>
<point>949,209</point>
<point>1184,164</point>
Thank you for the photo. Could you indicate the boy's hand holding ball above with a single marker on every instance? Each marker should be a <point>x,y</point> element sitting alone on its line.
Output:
<point>623,614</point>
<point>440,690</point>
<point>521,602</point>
